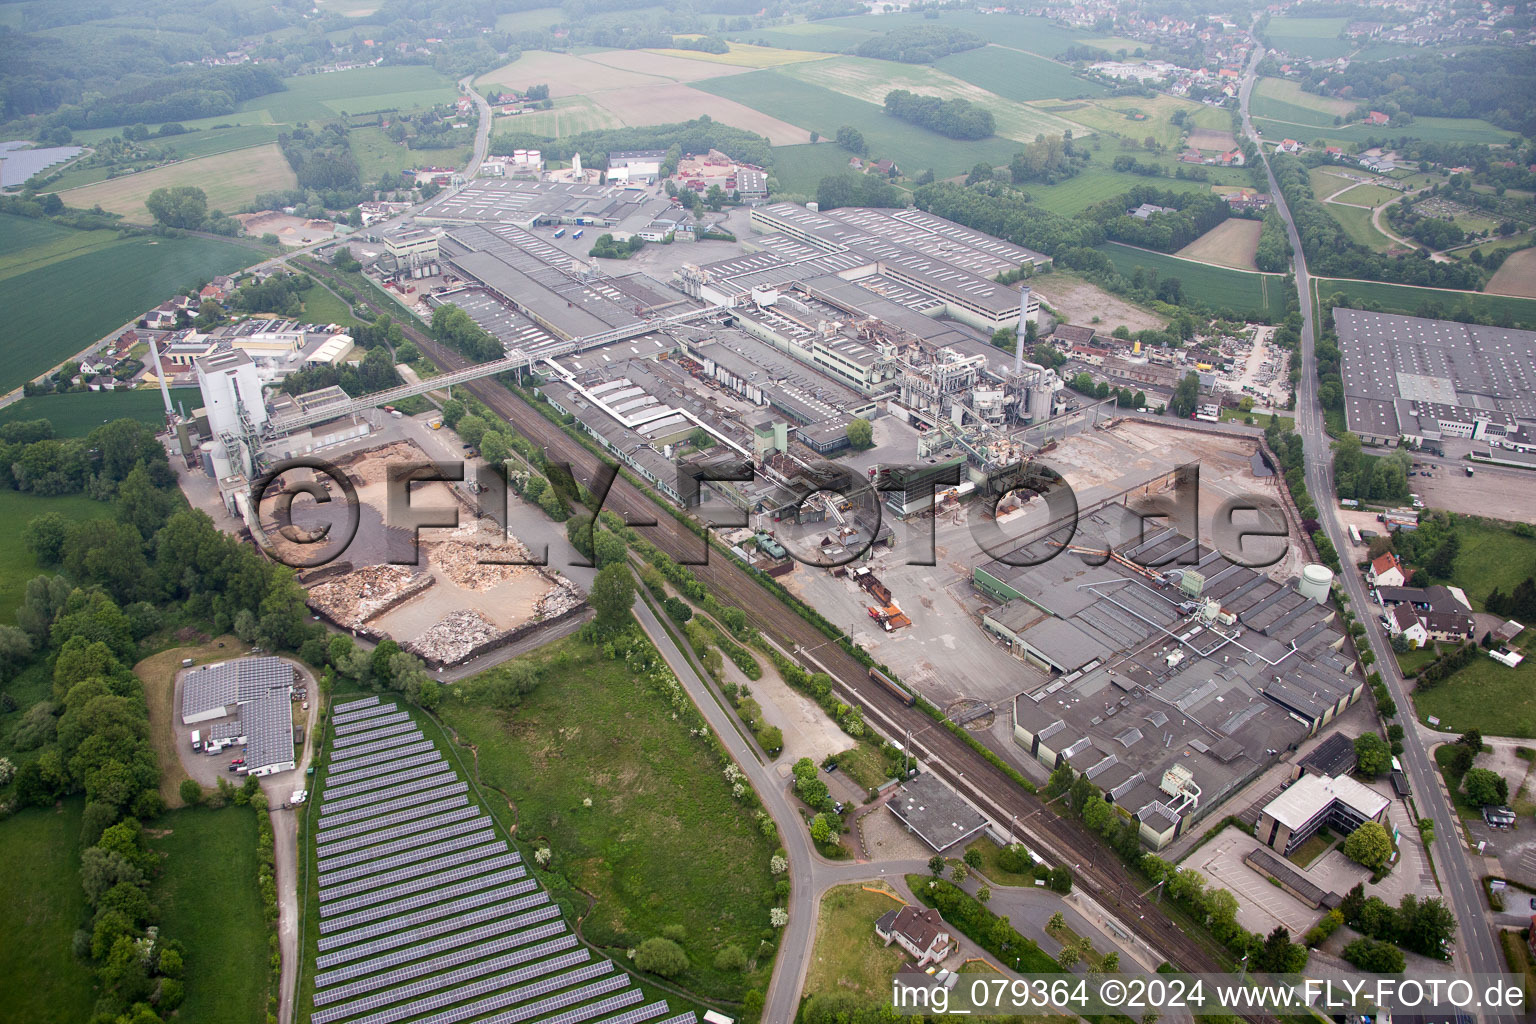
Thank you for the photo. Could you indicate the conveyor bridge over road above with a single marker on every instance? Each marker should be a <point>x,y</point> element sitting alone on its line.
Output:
<point>514,360</point>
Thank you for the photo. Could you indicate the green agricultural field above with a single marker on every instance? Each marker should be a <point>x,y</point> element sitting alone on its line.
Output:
<point>360,91</point>
<point>1138,117</point>
<point>663,841</point>
<point>1097,183</point>
<point>1215,286</point>
<point>48,322</point>
<point>1326,181</point>
<point>40,979</point>
<point>27,244</point>
<point>809,35</point>
<point>1017,75</point>
<point>571,115</point>
<point>17,566</point>
<point>529,21</point>
<point>861,78</point>
<point>1310,37</point>
<point>1436,302</point>
<point>87,136</point>
<point>1299,118</point>
<point>1036,35</point>
<point>1290,92</point>
<point>209,901</point>
<point>77,413</point>
<point>822,110</point>
<point>1469,130</point>
<point>1357,224</point>
<point>800,168</point>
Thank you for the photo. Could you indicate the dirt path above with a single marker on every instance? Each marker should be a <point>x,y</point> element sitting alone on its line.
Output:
<point>285,839</point>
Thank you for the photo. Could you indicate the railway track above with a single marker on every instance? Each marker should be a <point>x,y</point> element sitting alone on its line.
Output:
<point>1095,867</point>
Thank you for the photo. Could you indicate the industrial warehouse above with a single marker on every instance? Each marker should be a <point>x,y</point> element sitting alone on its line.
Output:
<point>1427,380</point>
<point>1170,688</point>
<point>254,699</point>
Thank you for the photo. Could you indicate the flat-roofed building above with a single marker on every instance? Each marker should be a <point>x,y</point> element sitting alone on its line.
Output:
<point>258,689</point>
<point>414,245</point>
<point>934,813</point>
<point>1313,801</point>
<point>1425,380</point>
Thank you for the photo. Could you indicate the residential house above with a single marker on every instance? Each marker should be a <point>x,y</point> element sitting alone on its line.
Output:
<point>1232,158</point>
<point>1333,151</point>
<point>162,317</point>
<point>1290,146</point>
<point>886,167</point>
<point>1402,620</point>
<point>1376,117</point>
<point>1451,626</point>
<point>922,933</point>
<point>1386,571</point>
<point>1146,210</point>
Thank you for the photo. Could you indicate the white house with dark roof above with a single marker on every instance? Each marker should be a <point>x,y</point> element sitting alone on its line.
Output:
<point>922,933</point>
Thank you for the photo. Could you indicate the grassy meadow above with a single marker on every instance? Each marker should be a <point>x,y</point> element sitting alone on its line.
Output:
<point>1218,287</point>
<point>40,979</point>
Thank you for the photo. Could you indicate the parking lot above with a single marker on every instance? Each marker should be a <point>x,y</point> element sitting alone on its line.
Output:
<point>1260,903</point>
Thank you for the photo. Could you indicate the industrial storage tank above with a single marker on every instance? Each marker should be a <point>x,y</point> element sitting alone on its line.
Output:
<point>222,466</point>
<point>1316,581</point>
<point>205,456</point>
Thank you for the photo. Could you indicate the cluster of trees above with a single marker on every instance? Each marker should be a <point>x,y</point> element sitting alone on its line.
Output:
<point>1369,846</point>
<point>456,329</point>
<point>375,373</point>
<point>856,190</point>
<point>481,429</point>
<point>1434,545</point>
<point>697,136</point>
<point>386,667</point>
<point>1048,160</point>
<point>1376,957</point>
<point>608,248</point>
<point>321,158</point>
<point>1368,477</point>
<point>851,139</point>
<point>1124,398</point>
<point>955,119</point>
<point>1373,757</point>
<point>1273,256</point>
<point>1085,801</point>
<point>186,207</point>
<point>1192,215</point>
<point>1008,213</point>
<point>826,826</point>
<point>1519,603</point>
<point>1331,253</point>
<point>1423,926</point>
<point>100,464</point>
<point>919,44</point>
<point>704,44</point>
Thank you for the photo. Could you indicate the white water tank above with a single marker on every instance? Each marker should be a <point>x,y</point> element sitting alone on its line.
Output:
<point>1316,581</point>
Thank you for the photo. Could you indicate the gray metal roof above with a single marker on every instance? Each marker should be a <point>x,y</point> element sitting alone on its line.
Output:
<point>212,687</point>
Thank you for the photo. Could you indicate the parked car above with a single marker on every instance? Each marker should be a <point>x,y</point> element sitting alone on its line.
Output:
<point>237,762</point>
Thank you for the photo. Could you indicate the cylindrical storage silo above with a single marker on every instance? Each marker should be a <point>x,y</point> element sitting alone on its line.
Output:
<point>205,456</point>
<point>1316,581</point>
<point>222,467</point>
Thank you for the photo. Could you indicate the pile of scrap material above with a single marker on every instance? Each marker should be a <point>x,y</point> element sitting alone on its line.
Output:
<point>354,598</point>
<point>473,557</point>
<point>372,466</point>
<point>454,638</point>
<point>558,600</point>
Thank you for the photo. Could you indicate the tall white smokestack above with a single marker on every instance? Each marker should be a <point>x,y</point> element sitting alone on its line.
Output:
<point>1018,347</point>
<point>165,392</point>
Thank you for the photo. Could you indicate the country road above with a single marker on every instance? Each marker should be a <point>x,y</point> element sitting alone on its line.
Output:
<point>1477,949</point>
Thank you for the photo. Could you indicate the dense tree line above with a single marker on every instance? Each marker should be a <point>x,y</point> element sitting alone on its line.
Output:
<point>1191,214</point>
<point>856,190</point>
<point>1331,253</point>
<point>697,136</point>
<point>955,119</point>
<point>376,372</point>
<point>1423,926</point>
<point>33,459</point>
<point>919,44</point>
<point>1492,84</point>
<point>178,94</point>
<point>322,159</point>
<point>1048,160</point>
<point>1273,255</point>
<point>851,139</point>
<point>1010,214</point>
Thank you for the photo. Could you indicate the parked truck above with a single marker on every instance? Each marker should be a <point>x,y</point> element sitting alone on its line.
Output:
<point>197,740</point>
<point>1469,471</point>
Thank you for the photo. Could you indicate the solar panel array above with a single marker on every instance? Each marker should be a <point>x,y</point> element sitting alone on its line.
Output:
<point>427,915</point>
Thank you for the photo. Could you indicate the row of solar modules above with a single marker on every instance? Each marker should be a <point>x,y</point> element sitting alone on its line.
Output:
<point>427,916</point>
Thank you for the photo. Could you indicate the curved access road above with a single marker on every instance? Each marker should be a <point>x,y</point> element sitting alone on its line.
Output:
<point>1477,948</point>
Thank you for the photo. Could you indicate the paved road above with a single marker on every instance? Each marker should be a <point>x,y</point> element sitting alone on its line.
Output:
<point>483,132</point>
<point>1476,948</point>
<point>285,839</point>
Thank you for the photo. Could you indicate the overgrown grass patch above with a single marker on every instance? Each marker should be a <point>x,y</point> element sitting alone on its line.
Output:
<point>40,979</point>
<point>848,956</point>
<point>209,900</point>
<point>663,842</point>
